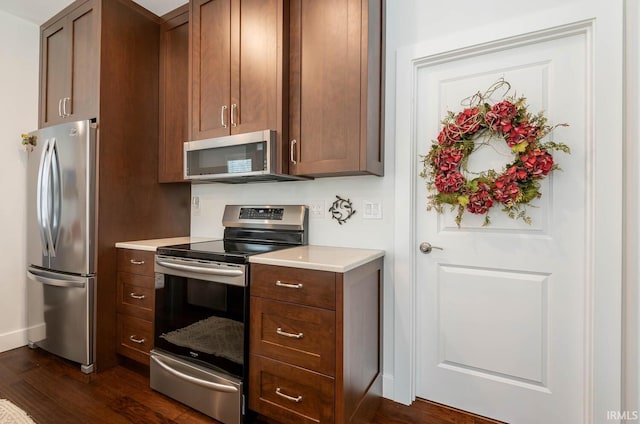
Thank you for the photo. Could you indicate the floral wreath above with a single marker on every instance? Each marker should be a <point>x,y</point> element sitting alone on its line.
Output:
<point>445,166</point>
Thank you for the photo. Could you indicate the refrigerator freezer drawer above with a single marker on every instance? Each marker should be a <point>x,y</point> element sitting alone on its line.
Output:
<point>60,315</point>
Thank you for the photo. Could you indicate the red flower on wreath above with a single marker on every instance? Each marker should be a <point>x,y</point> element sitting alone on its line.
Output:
<point>480,201</point>
<point>449,182</point>
<point>448,159</point>
<point>518,173</point>
<point>522,133</point>
<point>537,162</point>
<point>468,121</point>
<point>500,115</point>
<point>449,135</point>
<point>505,189</point>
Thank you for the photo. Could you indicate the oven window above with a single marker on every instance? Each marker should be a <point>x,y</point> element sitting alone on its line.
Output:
<point>202,321</point>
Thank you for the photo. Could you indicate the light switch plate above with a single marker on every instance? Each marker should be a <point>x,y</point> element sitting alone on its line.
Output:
<point>372,209</point>
<point>316,209</point>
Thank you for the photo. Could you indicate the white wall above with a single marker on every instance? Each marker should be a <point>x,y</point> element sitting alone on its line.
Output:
<point>18,114</point>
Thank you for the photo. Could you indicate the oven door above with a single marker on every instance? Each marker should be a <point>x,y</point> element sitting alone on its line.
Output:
<point>201,312</point>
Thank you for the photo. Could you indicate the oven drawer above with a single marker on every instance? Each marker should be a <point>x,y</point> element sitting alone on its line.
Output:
<point>304,286</point>
<point>216,394</point>
<point>136,261</point>
<point>135,337</point>
<point>136,295</point>
<point>289,394</point>
<point>299,335</point>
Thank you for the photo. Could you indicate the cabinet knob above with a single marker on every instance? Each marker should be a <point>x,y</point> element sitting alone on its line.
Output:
<point>135,262</point>
<point>234,108</point>
<point>295,399</point>
<point>135,339</point>
<point>292,151</point>
<point>223,120</point>
<point>136,296</point>
<point>288,285</point>
<point>281,332</point>
<point>66,114</point>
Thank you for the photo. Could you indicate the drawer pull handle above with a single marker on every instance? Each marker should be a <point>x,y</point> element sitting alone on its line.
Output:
<point>134,262</point>
<point>289,286</point>
<point>136,296</point>
<point>293,336</point>
<point>287,397</point>
<point>136,339</point>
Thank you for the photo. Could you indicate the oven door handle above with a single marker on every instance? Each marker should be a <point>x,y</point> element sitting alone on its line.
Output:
<point>204,383</point>
<point>201,270</point>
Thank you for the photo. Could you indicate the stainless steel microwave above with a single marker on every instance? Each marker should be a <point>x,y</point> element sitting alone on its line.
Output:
<point>239,158</point>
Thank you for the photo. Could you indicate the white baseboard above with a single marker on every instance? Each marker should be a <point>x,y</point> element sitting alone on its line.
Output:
<point>13,340</point>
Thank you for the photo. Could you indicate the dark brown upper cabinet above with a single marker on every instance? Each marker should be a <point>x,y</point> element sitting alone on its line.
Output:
<point>69,63</point>
<point>336,87</point>
<point>102,56</point>
<point>237,67</point>
<point>174,94</point>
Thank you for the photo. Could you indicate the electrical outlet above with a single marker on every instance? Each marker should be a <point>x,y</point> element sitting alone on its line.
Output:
<point>372,209</point>
<point>316,209</point>
<point>195,205</point>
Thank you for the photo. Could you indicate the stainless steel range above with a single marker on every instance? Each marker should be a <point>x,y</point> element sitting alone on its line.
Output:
<point>202,308</point>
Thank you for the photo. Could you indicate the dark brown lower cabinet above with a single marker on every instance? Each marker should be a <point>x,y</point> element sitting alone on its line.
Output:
<point>315,350</point>
<point>135,304</point>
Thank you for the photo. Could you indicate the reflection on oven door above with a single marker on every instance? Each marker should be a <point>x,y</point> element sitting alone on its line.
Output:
<point>214,335</point>
<point>214,394</point>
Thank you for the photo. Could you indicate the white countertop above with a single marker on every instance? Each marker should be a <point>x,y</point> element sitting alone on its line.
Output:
<point>153,244</point>
<point>322,258</point>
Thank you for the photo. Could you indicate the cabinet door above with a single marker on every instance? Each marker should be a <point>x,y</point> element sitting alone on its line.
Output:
<point>256,65</point>
<point>69,67</point>
<point>174,97</point>
<point>85,61</point>
<point>210,22</point>
<point>54,63</point>
<point>334,91</point>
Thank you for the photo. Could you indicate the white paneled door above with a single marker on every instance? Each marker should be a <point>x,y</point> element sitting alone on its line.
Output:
<point>503,311</point>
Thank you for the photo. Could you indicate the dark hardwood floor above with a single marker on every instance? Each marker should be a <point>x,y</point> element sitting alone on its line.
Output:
<point>52,390</point>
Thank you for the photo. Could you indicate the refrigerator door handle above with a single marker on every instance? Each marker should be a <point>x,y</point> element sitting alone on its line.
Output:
<point>48,201</point>
<point>40,200</point>
<point>53,279</point>
<point>56,194</point>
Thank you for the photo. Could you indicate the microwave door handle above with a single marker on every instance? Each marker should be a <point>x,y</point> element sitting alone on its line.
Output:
<point>204,383</point>
<point>201,270</point>
<point>40,200</point>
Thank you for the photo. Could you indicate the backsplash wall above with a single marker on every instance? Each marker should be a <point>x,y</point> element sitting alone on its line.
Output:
<point>206,219</point>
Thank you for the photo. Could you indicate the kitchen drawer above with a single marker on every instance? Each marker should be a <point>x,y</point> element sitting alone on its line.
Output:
<point>136,261</point>
<point>289,394</point>
<point>300,335</point>
<point>136,295</point>
<point>304,286</point>
<point>135,337</point>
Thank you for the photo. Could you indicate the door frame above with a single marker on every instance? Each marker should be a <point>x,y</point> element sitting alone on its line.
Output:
<point>631,289</point>
<point>604,341</point>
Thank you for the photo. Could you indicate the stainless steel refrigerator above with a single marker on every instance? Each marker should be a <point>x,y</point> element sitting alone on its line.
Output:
<point>61,241</point>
